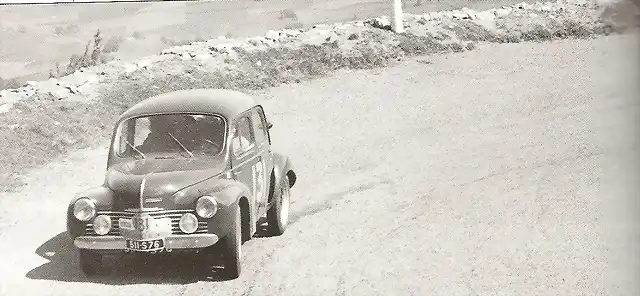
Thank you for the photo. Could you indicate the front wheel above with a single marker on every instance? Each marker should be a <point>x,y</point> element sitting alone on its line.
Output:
<point>232,244</point>
<point>90,262</point>
<point>278,214</point>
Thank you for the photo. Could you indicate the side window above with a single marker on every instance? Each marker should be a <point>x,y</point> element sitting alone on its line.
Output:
<point>142,131</point>
<point>243,139</point>
<point>259,128</point>
<point>135,132</point>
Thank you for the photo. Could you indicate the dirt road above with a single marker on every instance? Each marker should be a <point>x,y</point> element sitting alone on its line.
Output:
<point>502,171</point>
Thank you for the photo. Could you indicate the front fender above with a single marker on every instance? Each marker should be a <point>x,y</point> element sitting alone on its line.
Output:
<point>101,196</point>
<point>228,194</point>
<point>226,191</point>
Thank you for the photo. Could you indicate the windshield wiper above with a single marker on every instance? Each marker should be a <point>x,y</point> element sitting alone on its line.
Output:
<point>185,148</point>
<point>135,149</point>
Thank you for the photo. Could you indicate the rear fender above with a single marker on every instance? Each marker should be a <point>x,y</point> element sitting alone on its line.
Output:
<point>282,166</point>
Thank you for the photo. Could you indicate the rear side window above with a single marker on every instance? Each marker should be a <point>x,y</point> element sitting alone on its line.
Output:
<point>259,128</point>
<point>243,140</point>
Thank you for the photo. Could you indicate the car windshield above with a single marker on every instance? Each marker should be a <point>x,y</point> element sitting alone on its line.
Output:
<point>171,135</point>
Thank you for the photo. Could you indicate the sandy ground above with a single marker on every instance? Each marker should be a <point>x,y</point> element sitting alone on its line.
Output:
<point>34,37</point>
<point>508,170</point>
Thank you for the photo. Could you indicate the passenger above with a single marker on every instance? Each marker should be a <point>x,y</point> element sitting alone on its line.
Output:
<point>189,134</point>
<point>240,143</point>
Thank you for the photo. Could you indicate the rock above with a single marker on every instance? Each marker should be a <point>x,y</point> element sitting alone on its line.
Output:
<point>470,13</point>
<point>459,15</point>
<point>72,88</point>
<point>380,23</point>
<point>26,92</point>
<point>202,57</point>
<point>321,31</point>
<point>321,26</point>
<point>291,33</point>
<point>59,93</point>
<point>256,41</point>
<point>85,89</point>
<point>273,35</point>
<point>144,64</point>
<point>4,108</point>
<point>546,8</point>
<point>129,68</point>
<point>502,12</point>
<point>485,16</point>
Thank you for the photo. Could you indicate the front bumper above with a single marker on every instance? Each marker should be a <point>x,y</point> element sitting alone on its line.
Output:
<point>193,241</point>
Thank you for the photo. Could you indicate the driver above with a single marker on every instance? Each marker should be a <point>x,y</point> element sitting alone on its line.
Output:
<point>158,139</point>
<point>213,131</point>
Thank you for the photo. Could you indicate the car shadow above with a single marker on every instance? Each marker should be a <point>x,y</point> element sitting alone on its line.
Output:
<point>127,269</point>
<point>262,230</point>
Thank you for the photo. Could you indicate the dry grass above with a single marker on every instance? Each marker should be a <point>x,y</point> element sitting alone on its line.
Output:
<point>9,83</point>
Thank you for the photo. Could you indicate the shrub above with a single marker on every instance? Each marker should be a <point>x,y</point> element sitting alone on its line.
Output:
<point>137,35</point>
<point>294,26</point>
<point>287,14</point>
<point>68,29</point>
<point>113,44</point>
<point>93,55</point>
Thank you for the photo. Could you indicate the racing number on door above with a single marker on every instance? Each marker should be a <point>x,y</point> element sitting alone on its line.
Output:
<point>258,179</point>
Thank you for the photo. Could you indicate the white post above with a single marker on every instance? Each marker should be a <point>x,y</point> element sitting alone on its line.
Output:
<point>398,25</point>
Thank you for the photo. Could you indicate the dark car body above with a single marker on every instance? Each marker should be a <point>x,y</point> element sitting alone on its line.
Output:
<point>144,198</point>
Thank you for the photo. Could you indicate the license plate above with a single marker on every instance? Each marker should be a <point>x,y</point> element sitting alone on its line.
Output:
<point>145,245</point>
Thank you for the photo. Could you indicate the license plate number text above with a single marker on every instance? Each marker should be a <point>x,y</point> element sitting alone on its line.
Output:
<point>146,245</point>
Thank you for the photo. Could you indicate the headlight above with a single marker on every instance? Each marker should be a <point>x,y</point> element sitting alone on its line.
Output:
<point>102,224</point>
<point>206,207</point>
<point>188,223</point>
<point>84,209</point>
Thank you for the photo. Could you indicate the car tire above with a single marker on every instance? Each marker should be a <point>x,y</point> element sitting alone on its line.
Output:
<point>278,214</point>
<point>90,262</point>
<point>232,244</point>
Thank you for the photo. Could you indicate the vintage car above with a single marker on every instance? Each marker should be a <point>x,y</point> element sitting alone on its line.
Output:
<point>190,170</point>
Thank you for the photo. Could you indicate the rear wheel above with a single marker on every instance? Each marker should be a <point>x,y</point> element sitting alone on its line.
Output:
<point>278,214</point>
<point>90,262</point>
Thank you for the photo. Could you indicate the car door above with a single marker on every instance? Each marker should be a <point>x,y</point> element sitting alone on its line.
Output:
<point>246,163</point>
<point>264,165</point>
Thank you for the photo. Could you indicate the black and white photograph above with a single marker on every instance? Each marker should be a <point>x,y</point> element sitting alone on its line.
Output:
<point>320,147</point>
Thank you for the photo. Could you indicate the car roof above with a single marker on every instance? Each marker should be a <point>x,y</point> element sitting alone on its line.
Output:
<point>228,103</point>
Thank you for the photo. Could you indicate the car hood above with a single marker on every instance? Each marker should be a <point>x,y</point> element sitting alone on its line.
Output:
<point>157,179</point>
